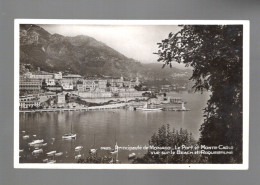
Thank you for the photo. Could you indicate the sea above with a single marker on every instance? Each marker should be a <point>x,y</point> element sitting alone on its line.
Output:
<point>103,129</point>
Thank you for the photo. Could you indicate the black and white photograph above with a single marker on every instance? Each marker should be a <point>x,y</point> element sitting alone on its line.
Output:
<point>125,94</point>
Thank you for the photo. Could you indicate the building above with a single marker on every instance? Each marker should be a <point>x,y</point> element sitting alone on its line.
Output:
<point>55,88</point>
<point>72,77</point>
<point>95,94</point>
<point>40,75</point>
<point>67,86</point>
<point>102,84</point>
<point>128,94</point>
<point>32,85</point>
<point>45,96</point>
<point>166,88</point>
<point>128,83</point>
<point>137,82</point>
<point>50,82</point>
<point>32,103</point>
<point>115,82</point>
<point>58,76</point>
<point>26,98</point>
<point>61,99</point>
<point>80,86</point>
<point>89,85</point>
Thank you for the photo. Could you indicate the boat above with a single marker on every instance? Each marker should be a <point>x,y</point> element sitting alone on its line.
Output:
<point>93,150</point>
<point>59,154</point>
<point>70,135</point>
<point>146,108</point>
<point>34,142</point>
<point>26,136</point>
<point>78,148</point>
<point>20,150</point>
<point>51,153</point>
<point>115,151</point>
<point>45,160</point>
<point>131,156</point>
<point>37,151</point>
<point>40,145</point>
<point>78,156</point>
<point>51,161</point>
<point>34,135</point>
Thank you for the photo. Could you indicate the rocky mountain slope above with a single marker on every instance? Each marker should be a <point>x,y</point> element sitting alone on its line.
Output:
<point>81,55</point>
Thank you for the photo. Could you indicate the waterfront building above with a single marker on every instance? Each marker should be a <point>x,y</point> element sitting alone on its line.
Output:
<point>32,103</point>
<point>60,99</point>
<point>175,100</point>
<point>42,97</point>
<point>32,85</point>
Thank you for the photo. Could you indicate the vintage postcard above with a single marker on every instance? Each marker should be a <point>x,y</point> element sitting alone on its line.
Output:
<point>131,94</point>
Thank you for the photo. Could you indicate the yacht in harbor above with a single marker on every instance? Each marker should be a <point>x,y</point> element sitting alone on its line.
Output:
<point>35,142</point>
<point>146,108</point>
<point>70,135</point>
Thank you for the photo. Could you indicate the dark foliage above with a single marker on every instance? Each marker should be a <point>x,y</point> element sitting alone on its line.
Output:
<point>166,137</point>
<point>215,53</point>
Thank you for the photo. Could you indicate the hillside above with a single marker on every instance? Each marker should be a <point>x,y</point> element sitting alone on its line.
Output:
<point>81,55</point>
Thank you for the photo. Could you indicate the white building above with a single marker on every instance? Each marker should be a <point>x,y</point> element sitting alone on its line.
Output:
<point>50,82</point>
<point>67,86</point>
<point>95,94</point>
<point>58,76</point>
<point>29,104</point>
<point>61,99</point>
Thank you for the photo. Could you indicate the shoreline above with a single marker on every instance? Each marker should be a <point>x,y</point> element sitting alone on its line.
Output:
<point>113,106</point>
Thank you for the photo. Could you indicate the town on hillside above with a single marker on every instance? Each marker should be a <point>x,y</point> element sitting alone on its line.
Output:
<point>40,90</point>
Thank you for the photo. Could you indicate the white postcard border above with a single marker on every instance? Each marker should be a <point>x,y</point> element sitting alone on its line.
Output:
<point>246,67</point>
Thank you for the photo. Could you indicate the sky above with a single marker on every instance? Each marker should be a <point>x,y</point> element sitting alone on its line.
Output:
<point>137,42</point>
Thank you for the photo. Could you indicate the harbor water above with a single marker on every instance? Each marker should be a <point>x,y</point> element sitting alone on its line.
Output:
<point>103,128</point>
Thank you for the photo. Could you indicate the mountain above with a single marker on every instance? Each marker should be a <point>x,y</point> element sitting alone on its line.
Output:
<point>82,55</point>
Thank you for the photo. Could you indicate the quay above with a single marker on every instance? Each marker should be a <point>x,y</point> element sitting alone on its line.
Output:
<point>111,106</point>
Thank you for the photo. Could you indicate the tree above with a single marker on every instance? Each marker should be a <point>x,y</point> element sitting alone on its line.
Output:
<point>215,53</point>
<point>165,137</point>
